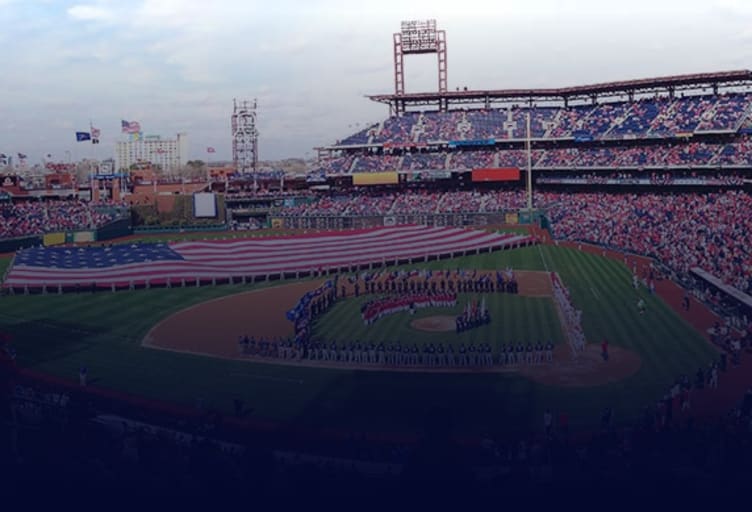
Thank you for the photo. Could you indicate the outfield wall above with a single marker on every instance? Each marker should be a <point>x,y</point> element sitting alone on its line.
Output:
<point>510,217</point>
<point>14,244</point>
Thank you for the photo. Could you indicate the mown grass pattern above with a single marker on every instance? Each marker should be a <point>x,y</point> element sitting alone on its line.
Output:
<point>58,334</point>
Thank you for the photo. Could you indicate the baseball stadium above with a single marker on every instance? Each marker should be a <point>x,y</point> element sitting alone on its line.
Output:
<point>498,266</point>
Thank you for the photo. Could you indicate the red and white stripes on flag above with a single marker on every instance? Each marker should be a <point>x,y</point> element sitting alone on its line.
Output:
<point>218,259</point>
<point>210,150</point>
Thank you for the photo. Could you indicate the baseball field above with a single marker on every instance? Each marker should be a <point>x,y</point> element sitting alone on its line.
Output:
<point>117,337</point>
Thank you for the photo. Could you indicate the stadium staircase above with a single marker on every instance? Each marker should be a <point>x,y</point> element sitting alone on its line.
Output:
<point>658,120</point>
<point>554,124</point>
<point>744,118</point>
<point>417,130</point>
<point>706,116</point>
<point>615,123</point>
<point>353,165</point>
<point>463,127</point>
<point>379,128</point>
<point>510,124</point>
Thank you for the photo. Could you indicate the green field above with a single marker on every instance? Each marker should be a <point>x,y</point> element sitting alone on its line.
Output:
<point>514,318</point>
<point>57,334</point>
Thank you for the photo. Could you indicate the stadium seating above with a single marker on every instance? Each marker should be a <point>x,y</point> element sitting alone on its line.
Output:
<point>39,217</point>
<point>424,161</point>
<point>667,122</point>
<point>712,231</point>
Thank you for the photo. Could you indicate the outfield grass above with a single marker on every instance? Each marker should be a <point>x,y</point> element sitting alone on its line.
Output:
<point>57,334</point>
<point>4,263</point>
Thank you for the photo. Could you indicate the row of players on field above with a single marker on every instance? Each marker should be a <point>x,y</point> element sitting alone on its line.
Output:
<point>420,281</point>
<point>398,355</point>
<point>376,309</point>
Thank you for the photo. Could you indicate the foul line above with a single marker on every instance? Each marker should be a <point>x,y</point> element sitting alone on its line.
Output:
<point>543,258</point>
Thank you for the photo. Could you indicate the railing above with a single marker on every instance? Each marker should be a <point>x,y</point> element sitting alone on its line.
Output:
<point>179,229</point>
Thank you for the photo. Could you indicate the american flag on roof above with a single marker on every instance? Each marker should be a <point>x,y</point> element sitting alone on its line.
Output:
<point>129,126</point>
<point>122,265</point>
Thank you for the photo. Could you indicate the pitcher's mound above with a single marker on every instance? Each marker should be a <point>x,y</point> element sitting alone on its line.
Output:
<point>442,323</point>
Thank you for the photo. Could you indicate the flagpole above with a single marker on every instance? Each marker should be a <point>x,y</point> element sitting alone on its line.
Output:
<point>529,170</point>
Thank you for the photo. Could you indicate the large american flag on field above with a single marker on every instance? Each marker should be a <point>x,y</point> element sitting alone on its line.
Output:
<point>158,263</point>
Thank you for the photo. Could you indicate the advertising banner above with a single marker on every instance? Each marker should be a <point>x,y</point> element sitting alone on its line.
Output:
<point>491,174</point>
<point>375,178</point>
<point>53,239</point>
<point>83,236</point>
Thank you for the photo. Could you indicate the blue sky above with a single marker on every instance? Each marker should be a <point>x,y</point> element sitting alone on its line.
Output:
<point>176,65</point>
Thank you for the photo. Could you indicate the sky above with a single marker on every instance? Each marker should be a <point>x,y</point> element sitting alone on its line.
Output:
<point>176,65</point>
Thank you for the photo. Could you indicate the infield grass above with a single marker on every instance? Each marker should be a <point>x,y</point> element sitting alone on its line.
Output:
<point>513,319</point>
<point>58,334</point>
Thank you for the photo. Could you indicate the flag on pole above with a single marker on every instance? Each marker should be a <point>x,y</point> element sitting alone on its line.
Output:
<point>210,150</point>
<point>21,156</point>
<point>129,126</point>
<point>95,132</point>
<point>82,136</point>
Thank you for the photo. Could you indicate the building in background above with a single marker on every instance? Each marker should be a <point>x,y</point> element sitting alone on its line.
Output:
<point>169,155</point>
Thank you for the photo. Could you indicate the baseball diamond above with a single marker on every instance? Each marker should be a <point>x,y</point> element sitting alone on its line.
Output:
<point>542,287</point>
<point>197,331</point>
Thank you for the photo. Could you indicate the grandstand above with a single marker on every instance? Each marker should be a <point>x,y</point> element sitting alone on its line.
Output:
<point>700,121</point>
<point>643,179</point>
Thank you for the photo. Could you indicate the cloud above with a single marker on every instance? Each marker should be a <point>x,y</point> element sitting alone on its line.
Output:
<point>91,13</point>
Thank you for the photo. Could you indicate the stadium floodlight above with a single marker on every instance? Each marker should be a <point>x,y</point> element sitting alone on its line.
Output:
<point>418,37</point>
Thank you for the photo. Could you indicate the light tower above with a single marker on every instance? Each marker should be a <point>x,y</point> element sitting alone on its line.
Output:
<point>417,37</point>
<point>245,138</point>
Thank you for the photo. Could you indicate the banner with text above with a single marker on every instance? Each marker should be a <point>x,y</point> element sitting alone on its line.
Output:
<point>494,174</point>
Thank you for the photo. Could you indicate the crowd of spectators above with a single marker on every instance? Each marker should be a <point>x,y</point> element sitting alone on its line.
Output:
<point>61,440</point>
<point>415,202</point>
<point>424,161</point>
<point>371,163</point>
<point>643,178</point>
<point>688,154</point>
<point>655,116</point>
<point>711,231</point>
<point>726,113</point>
<point>38,217</point>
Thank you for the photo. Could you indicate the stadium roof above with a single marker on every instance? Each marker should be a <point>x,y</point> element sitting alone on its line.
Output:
<point>693,81</point>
